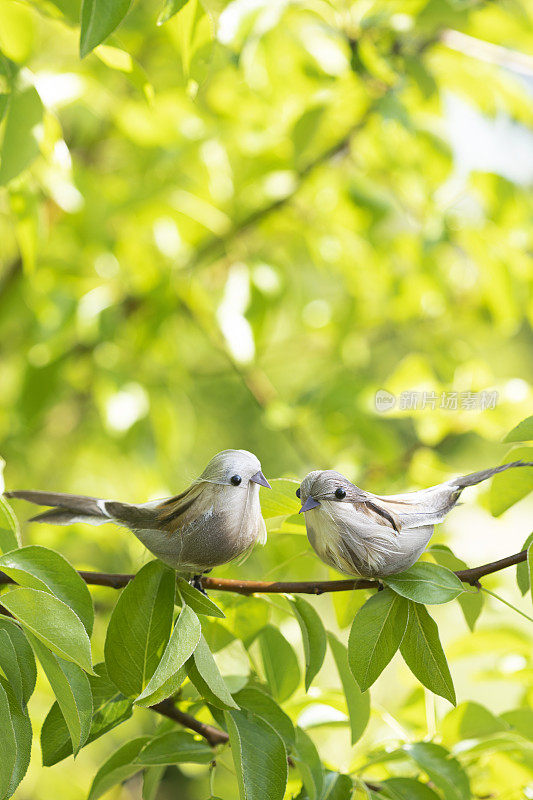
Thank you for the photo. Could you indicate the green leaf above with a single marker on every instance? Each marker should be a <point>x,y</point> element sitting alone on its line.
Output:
<point>522,569</point>
<point>279,662</point>
<point>9,666</point>
<point>259,756</point>
<point>262,705</point>
<point>376,633</point>
<point>99,18</point>
<point>21,724</point>
<point>8,540</point>
<point>426,583</point>
<point>309,765</point>
<point>406,789</point>
<point>8,744</point>
<point>53,622</point>
<point>170,8</point>
<point>119,767</point>
<point>523,432</point>
<point>25,657</point>
<point>313,636</point>
<point>357,702</point>
<point>110,708</point>
<point>337,786</point>
<point>423,653</point>
<point>152,777</point>
<point>169,674</point>
<point>175,747</point>
<point>72,690</point>
<point>530,566</point>
<point>281,500</point>
<point>139,628</point>
<point>509,487</point>
<point>205,676</point>
<point>20,146</point>
<point>442,768</point>
<point>520,720</point>
<point>41,568</point>
<point>469,721</point>
<point>471,601</point>
<point>198,601</point>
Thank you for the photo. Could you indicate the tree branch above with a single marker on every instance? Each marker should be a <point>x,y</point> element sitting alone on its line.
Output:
<point>213,735</point>
<point>119,580</point>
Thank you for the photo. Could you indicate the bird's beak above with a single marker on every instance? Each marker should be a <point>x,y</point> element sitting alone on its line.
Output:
<point>261,480</point>
<point>308,505</point>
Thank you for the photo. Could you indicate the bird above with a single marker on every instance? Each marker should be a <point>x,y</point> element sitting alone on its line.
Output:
<point>373,536</point>
<point>217,519</point>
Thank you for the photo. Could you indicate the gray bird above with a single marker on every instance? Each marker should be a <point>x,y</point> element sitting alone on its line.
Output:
<point>216,520</point>
<point>360,533</point>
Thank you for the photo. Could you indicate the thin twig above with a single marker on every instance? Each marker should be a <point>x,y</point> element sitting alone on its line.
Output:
<point>119,580</point>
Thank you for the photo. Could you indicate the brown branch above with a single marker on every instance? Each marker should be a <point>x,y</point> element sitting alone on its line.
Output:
<point>119,580</point>
<point>213,735</point>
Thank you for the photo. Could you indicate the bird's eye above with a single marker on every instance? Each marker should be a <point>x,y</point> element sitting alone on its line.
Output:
<point>298,493</point>
<point>236,479</point>
<point>340,494</point>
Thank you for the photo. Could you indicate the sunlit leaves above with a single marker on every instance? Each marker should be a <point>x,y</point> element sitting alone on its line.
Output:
<point>512,485</point>
<point>262,705</point>
<point>471,600</point>
<point>357,702</point>
<point>53,622</point>
<point>205,675</point>
<point>426,583</point>
<point>71,687</point>
<point>197,601</point>
<point>25,683</point>
<point>20,144</point>
<point>139,628</point>
<point>41,568</point>
<point>279,662</point>
<point>110,708</point>
<point>169,673</point>
<point>259,757</point>
<point>175,747</point>
<point>8,744</point>
<point>376,633</point>
<point>442,768</point>
<point>523,432</point>
<point>120,766</point>
<point>309,764</point>
<point>522,569</point>
<point>99,18</point>
<point>170,8</point>
<point>313,636</point>
<point>423,653</point>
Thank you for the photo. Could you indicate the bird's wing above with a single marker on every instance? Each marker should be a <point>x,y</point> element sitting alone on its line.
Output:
<point>375,509</point>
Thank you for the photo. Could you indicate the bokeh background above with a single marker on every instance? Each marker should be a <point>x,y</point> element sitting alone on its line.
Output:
<point>232,230</point>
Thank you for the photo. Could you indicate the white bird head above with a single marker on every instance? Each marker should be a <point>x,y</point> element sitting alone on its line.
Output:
<point>237,468</point>
<point>321,485</point>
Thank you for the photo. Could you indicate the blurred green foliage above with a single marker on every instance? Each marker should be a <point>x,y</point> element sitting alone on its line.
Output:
<point>231,230</point>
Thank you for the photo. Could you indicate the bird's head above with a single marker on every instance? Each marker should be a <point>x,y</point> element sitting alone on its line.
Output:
<point>235,468</point>
<point>322,485</point>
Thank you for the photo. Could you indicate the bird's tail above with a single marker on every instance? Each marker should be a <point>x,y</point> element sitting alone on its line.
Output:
<point>482,475</point>
<point>66,508</point>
